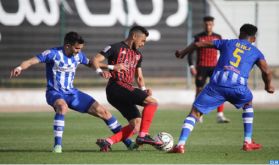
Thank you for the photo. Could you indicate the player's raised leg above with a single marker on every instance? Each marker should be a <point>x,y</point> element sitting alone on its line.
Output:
<point>248,116</point>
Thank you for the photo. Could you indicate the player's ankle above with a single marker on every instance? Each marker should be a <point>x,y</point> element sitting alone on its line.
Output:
<point>142,134</point>
<point>109,141</point>
<point>220,114</point>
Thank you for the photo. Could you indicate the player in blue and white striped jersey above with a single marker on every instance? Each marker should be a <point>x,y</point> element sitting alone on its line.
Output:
<point>61,64</point>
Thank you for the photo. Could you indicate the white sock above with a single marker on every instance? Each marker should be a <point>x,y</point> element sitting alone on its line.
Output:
<point>220,114</point>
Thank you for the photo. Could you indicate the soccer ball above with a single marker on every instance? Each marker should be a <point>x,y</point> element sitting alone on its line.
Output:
<point>167,140</point>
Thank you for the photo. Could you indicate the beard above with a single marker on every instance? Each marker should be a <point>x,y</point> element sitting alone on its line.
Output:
<point>134,46</point>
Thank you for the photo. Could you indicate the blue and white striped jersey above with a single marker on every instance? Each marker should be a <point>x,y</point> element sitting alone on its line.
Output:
<point>237,58</point>
<point>61,69</point>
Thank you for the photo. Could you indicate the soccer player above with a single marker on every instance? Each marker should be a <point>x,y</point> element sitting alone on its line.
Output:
<point>120,90</point>
<point>229,83</point>
<point>61,64</point>
<point>206,62</point>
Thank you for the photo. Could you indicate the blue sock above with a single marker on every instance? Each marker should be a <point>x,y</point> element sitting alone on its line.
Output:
<point>187,127</point>
<point>58,128</point>
<point>248,116</point>
<point>115,127</point>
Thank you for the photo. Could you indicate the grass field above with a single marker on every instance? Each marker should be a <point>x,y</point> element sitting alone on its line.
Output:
<point>27,138</point>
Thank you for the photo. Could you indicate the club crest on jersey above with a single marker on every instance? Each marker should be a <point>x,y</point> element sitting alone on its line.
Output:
<point>123,52</point>
<point>46,52</point>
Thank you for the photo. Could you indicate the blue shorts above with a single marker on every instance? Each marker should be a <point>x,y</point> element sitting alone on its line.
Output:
<point>77,101</point>
<point>213,96</point>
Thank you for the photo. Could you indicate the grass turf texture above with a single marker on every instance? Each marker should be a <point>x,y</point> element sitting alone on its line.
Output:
<point>28,138</point>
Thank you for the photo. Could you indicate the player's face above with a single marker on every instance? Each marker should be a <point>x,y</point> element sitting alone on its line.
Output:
<point>208,26</point>
<point>139,40</point>
<point>76,48</point>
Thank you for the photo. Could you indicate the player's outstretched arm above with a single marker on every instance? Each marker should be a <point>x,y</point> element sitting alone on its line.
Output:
<point>266,75</point>
<point>189,49</point>
<point>97,63</point>
<point>182,53</point>
<point>24,65</point>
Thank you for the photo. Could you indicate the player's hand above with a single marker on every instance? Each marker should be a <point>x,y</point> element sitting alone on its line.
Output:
<point>15,72</point>
<point>270,89</point>
<point>149,92</point>
<point>193,71</point>
<point>105,74</point>
<point>179,54</point>
<point>119,67</point>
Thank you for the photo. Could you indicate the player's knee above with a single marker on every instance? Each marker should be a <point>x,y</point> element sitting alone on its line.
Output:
<point>61,109</point>
<point>103,113</point>
<point>150,100</point>
<point>197,114</point>
<point>99,111</point>
<point>60,106</point>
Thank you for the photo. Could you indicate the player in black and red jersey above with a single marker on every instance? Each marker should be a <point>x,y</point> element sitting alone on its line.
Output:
<point>206,62</point>
<point>124,63</point>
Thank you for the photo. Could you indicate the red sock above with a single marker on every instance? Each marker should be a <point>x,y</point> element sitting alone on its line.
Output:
<point>220,108</point>
<point>147,116</point>
<point>124,133</point>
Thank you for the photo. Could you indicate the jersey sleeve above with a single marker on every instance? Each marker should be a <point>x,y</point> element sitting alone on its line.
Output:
<point>260,55</point>
<point>218,44</point>
<point>83,59</point>
<point>107,51</point>
<point>139,62</point>
<point>46,56</point>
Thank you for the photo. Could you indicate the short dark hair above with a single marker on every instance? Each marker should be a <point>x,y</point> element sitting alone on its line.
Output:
<point>73,38</point>
<point>138,29</point>
<point>248,30</point>
<point>208,18</point>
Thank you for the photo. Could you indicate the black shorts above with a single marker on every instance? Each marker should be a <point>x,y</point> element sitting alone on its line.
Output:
<point>202,74</point>
<point>124,98</point>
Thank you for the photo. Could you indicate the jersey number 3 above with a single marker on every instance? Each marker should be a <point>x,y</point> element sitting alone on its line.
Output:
<point>236,54</point>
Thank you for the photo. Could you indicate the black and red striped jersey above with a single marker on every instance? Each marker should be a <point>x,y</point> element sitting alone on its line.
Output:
<point>206,57</point>
<point>121,53</point>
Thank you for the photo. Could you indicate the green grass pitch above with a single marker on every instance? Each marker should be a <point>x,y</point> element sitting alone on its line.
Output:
<point>28,138</point>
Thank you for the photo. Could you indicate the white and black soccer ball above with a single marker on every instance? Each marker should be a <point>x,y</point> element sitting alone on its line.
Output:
<point>167,140</point>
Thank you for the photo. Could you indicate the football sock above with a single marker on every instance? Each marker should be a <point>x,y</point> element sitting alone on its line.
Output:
<point>247,116</point>
<point>147,116</point>
<point>124,133</point>
<point>115,127</point>
<point>220,109</point>
<point>58,128</point>
<point>187,127</point>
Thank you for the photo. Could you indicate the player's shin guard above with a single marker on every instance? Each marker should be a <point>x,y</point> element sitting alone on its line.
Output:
<point>58,128</point>
<point>248,116</point>
<point>187,127</point>
<point>147,116</point>
<point>115,127</point>
<point>124,133</point>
